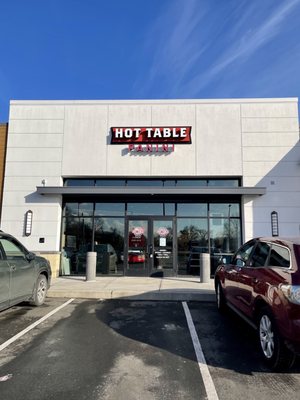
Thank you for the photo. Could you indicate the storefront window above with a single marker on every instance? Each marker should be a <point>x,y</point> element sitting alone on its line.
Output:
<point>153,182</point>
<point>224,210</point>
<point>169,209</point>
<point>86,209</point>
<point>192,238</point>
<point>110,182</point>
<point>79,182</point>
<point>71,209</point>
<point>145,182</point>
<point>145,209</point>
<point>225,239</point>
<point>192,210</point>
<point>109,209</point>
<point>223,182</point>
<point>109,245</point>
<point>213,228</point>
<point>170,183</point>
<point>191,182</point>
<point>77,241</point>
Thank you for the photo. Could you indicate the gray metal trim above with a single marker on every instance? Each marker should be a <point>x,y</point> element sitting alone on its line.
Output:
<point>94,190</point>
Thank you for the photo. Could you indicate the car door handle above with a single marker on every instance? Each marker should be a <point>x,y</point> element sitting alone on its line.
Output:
<point>13,267</point>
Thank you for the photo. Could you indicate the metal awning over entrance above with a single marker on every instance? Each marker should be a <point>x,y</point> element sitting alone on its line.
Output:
<point>138,190</point>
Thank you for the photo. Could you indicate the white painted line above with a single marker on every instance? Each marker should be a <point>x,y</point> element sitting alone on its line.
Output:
<point>30,327</point>
<point>207,379</point>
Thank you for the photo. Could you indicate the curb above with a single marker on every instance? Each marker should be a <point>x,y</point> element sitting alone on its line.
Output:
<point>132,295</point>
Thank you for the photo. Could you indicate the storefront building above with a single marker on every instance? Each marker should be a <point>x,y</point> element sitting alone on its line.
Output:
<point>150,185</point>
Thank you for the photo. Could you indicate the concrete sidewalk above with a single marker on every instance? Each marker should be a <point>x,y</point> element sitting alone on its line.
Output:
<point>134,288</point>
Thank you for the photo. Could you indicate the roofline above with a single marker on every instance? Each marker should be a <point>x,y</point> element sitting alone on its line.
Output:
<point>155,101</point>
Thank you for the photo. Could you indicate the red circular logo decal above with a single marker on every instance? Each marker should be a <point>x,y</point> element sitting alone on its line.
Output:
<point>162,231</point>
<point>138,231</point>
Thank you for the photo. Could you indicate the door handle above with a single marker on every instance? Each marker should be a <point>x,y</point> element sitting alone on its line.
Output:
<point>255,280</point>
<point>13,267</point>
<point>150,251</point>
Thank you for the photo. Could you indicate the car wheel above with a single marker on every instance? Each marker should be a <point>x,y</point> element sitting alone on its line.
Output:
<point>40,290</point>
<point>274,353</point>
<point>220,298</point>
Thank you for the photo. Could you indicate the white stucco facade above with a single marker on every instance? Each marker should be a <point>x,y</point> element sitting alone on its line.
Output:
<point>254,139</point>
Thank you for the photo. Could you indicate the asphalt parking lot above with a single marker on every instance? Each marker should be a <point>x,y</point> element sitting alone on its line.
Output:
<point>117,349</point>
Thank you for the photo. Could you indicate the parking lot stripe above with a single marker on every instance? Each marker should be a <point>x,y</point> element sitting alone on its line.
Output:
<point>207,379</point>
<point>30,327</point>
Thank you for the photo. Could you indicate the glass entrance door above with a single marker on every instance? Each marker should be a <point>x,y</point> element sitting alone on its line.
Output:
<point>150,247</point>
<point>163,251</point>
<point>137,249</point>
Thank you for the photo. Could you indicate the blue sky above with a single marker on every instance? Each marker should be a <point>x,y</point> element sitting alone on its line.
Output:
<point>148,49</point>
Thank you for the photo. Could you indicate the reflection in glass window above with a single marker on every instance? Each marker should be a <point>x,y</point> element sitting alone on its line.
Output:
<point>12,250</point>
<point>76,242</point>
<point>224,210</point>
<point>191,182</point>
<point>243,255</point>
<point>169,209</point>
<point>109,209</point>
<point>79,182</point>
<point>169,182</point>
<point>145,209</point>
<point>260,254</point>
<point>223,182</point>
<point>71,209</point>
<point>110,182</point>
<point>192,209</point>
<point>86,209</point>
<point>191,233</point>
<point>109,245</point>
<point>224,234</point>
<point>279,257</point>
<point>143,182</point>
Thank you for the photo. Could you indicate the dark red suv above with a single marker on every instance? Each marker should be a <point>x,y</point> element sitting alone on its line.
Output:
<point>261,284</point>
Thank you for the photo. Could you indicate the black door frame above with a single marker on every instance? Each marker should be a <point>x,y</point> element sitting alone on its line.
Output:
<point>150,243</point>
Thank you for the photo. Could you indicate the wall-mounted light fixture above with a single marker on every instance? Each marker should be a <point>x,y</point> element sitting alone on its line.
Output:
<point>28,222</point>
<point>274,223</point>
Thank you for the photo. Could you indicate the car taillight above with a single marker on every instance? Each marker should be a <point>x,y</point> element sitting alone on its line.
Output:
<point>291,292</point>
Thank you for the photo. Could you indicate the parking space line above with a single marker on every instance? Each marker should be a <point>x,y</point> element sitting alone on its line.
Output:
<point>30,327</point>
<point>207,379</point>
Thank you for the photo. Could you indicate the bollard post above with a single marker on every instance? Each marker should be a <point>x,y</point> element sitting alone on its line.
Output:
<point>204,267</point>
<point>91,261</point>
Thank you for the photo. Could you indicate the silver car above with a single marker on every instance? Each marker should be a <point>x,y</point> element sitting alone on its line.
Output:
<point>23,275</point>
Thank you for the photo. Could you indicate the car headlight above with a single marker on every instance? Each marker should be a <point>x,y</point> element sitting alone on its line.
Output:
<point>291,292</point>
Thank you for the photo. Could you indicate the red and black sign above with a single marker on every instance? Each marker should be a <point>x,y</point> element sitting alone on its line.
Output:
<point>153,134</point>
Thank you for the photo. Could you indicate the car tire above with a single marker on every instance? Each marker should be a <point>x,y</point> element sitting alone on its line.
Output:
<point>40,291</point>
<point>272,348</point>
<point>220,298</point>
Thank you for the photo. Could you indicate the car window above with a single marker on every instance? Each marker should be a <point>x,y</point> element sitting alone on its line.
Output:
<point>243,254</point>
<point>12,250</point>
<point>260,255</point>
<point>279,257</point>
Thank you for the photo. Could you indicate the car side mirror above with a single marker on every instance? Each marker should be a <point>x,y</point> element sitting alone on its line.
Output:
<point>240,262</point>
<point>30,256</point>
